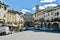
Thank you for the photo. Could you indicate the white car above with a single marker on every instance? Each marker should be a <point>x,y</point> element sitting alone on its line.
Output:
<point>4,30</point>
<point>37,27</point>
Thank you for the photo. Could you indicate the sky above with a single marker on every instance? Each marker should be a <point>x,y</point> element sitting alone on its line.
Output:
<point>29,5</point>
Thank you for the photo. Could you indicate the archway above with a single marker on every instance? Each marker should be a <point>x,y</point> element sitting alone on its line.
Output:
<point>55,26</point>
<point>45,24</point>
<point>49,25</point>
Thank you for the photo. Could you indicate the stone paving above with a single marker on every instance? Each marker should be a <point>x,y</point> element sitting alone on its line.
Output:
<point>30,35</point>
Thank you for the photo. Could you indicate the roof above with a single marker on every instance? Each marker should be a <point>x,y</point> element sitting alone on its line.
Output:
<point>47,9</point>
<point>15,11</point>
<point>4,4</point>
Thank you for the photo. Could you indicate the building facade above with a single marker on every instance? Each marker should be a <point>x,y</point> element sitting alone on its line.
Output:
<point>14,19</point>
<point>3,13</point>
<point>11,18</point>
<point>49,18</point>
<point>52,14</point>
<point>39,16</point>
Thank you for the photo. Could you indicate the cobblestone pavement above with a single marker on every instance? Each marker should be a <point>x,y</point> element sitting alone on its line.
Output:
<point>30,35</point>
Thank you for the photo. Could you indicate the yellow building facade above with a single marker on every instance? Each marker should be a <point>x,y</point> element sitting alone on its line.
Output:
<point>3,11</point>
<point>39,16</point>
<point>10,18</point>
<point>14,19</point>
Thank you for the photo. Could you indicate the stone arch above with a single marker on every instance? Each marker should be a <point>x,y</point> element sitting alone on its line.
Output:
<point>45,24</point>
<point>49,25</point>
<point>55,25</point>
<point>41,25</point>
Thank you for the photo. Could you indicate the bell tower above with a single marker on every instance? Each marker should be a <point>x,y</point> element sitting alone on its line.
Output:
<point>37,7</point>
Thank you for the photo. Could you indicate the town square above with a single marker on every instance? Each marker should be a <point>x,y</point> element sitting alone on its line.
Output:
<point>29,20</point>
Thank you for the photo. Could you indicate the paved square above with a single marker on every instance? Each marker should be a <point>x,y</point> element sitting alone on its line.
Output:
<point>30,35</point>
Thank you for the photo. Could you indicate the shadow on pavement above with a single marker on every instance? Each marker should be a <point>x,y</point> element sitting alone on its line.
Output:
<point>48,31</point>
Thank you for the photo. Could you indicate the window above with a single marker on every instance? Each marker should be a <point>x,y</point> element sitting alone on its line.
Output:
<point>48,14</point>
<point>5,8</point>
<point>57,13</point>
<point>4,15</point>
<point>35,15</point>
<point>55,19</point>
<point>45,16</point>
<point>55,9</point>
<point>51,13</point>
<point>0,6</point>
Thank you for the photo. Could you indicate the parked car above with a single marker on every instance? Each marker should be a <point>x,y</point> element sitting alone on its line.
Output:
<point>37,27</point>
<point>26,28</point>
<point>4,30</point>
